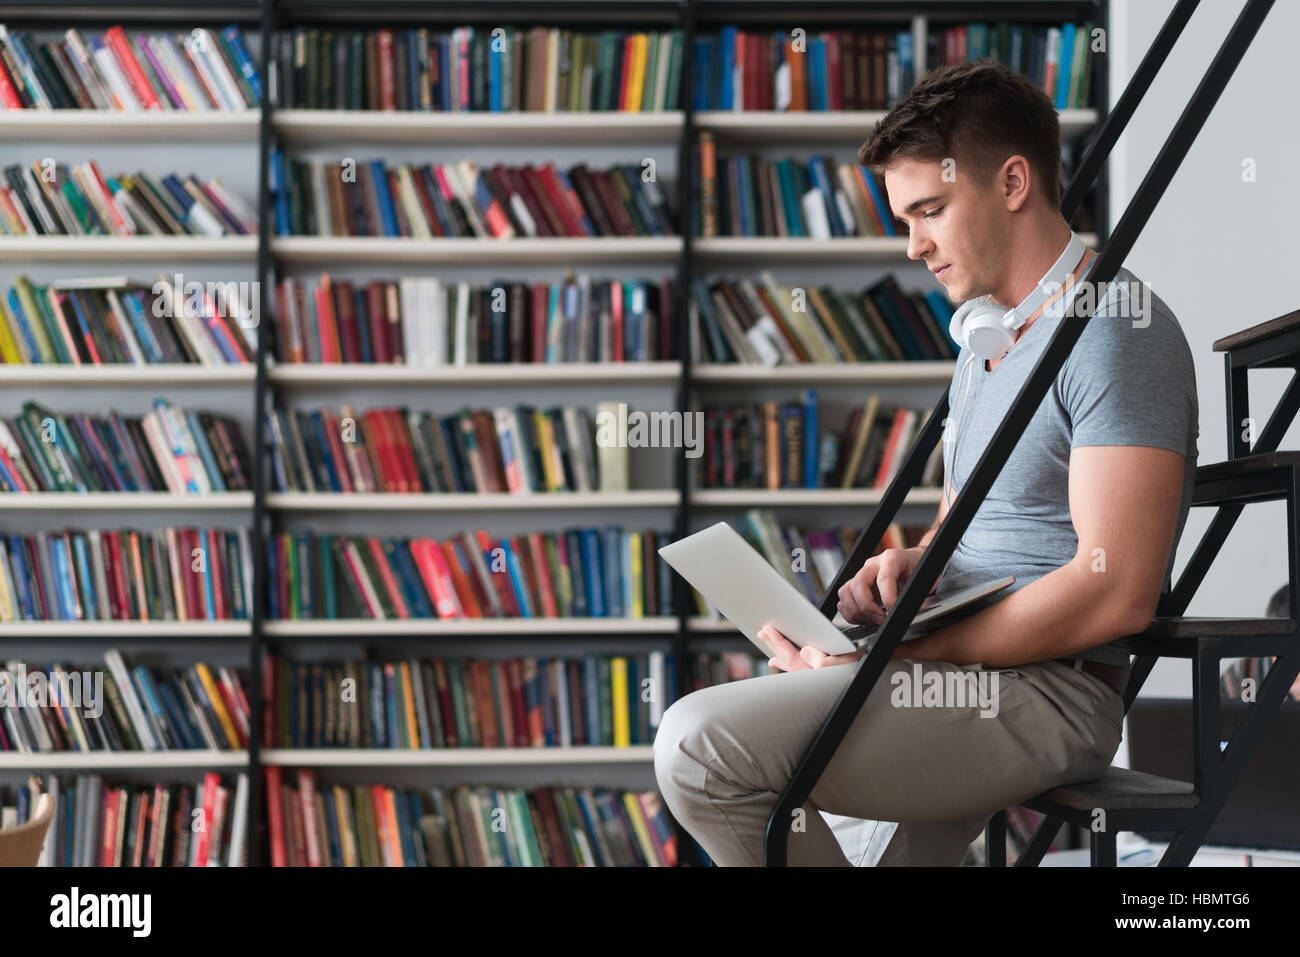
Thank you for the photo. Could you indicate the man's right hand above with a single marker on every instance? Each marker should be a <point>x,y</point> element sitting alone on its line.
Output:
<point>866,596</point>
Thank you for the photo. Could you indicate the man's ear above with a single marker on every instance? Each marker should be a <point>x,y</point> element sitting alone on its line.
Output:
<point>1015,181</point>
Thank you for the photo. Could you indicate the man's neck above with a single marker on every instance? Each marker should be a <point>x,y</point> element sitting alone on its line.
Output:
<point>1041,248</point>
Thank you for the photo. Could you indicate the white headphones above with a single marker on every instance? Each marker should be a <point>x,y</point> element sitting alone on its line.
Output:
<point>985,328</point>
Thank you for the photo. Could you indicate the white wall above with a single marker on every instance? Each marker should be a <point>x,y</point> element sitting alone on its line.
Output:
<point>1221,252</point>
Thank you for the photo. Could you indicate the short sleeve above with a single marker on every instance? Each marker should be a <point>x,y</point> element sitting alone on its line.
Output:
<point>1130,379</point>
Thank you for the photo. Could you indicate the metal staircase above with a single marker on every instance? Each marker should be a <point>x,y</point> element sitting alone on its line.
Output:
<point>1129,799</point>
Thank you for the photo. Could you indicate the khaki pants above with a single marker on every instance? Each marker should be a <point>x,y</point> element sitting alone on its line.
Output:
<point>723,755</point>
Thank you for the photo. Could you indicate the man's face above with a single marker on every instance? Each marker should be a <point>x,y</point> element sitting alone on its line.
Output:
<point>955,227</point>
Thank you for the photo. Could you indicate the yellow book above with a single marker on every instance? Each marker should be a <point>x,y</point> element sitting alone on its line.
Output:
<point>347,841</point>
<point>642,829</point>
<point>636,74</point>
<point>27,299</point>
<point>546,443</point>
<point>618,680</point>
<point>6,596</point>
<point>638,605</point>
<point>408,695</point>
<point>10,354</point>
<point>219,706</point>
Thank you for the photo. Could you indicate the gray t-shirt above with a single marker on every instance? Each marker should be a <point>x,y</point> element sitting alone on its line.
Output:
<point>1128,381</point>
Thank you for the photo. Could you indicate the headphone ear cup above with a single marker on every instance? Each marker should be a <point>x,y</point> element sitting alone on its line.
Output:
<point>957,324</point>
<point>986,333</point>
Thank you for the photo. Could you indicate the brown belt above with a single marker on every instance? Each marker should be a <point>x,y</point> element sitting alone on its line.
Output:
<point>1114,675</point>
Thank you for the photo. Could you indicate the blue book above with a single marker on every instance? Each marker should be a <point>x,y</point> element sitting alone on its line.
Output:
<point>494,75</point>
<point>384,198</point>
<point>886,217</point>
<point>822,180</point>
<point>409,578</point>
<point>317,423</point>
<point>63,577</point>
<point>16,310</point>
<point>1063,68</point>
<point>144,335</point>
<point>148,693</point>
<point>189,735</point>
<point>235,37</point>
<point>332,833</point>
<point>517,580</point>
<point>591,558</point>
<point>279,176</point>
<point>817,73</point>
<point>702,83</point>
<point>390,702</point>
<point>21,574</point>
<point>591,825</point>
<point>614,574</point>
<point>726,68</point>
<point>205,451</point>
<point>88,602</point>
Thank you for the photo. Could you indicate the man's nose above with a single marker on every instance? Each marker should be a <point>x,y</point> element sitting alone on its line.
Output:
<point>917,244</point>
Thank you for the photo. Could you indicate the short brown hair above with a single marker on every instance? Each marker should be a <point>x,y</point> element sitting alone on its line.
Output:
<point>977,113</point>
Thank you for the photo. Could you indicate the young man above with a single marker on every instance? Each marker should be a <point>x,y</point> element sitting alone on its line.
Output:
<point>1085,515</point>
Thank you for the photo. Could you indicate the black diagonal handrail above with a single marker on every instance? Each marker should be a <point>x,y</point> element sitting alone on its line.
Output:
<point>1026,403</point>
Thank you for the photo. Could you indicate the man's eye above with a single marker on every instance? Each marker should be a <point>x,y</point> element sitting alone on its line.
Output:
<point>934,212</point>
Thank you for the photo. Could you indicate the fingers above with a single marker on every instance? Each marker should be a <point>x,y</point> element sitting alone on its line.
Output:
<point>785,655</point>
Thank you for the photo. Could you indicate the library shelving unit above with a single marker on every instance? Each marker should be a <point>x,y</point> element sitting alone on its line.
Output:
<point>223,144</point>
<point>252,135</point>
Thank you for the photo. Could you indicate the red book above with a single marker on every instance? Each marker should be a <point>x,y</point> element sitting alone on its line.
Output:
<point>109,815</point>
<point>211,781</point>
<point>402,446</point>
<point>437,577</point>
<point>116,39</point>
<point>377,320</point>
<point>326,325</point>
<point>108,551</point>
<point>891,445</point>
<point>538,305</point>
<point>275,817</point>
<point>544,584</point>
<point>500,575</point>
<point>377,440</point>
<point>613,202</point>
<point>461,581</point>
<point>616,320</point>
<point>565,198</point>
<point>345,308</point>
<point>551,211</point>
<point>387,78</point>
<point>390,580</point>
<point>515,182</point>
<point>9,98</point>
<point>215,572</point>
<point>339,456</point>
<point>426,203</point>
<point>519,700</point>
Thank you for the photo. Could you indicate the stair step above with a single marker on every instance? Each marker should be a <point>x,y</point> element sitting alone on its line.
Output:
<point>1122,789</point>
<point>1247,465</point>
<point>1205,627</point>
<point>1259,333</point>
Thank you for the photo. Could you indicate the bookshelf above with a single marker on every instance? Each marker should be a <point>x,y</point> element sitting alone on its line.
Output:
<point>248,137</point>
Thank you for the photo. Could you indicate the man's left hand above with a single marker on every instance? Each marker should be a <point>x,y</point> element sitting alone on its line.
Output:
<point>787,657</point>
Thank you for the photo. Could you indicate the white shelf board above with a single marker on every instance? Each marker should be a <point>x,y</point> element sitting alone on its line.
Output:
<point>453,757</point>
<point>766,498</point>
<point>823,373</point>
<point>128,249</point>
<point>125,629</point>
<point>301,128</point>
<point>146,376</point>
<point>388,249</point>
<point>485,373</point>
<point>441,628</point>
<point>124,126</point>
<point>827,126</point>
<point>54,760</point>
<point>845,249</point>
<point>458,501</point>
<point>125,501</point>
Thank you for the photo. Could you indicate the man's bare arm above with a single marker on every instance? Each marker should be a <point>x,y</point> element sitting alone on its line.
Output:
<point>1124,504</point>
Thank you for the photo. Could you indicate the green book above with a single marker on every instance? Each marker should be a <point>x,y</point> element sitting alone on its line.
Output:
<point>648,103</point>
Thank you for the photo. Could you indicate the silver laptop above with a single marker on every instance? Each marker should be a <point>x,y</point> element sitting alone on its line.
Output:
<point>750,593</point>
